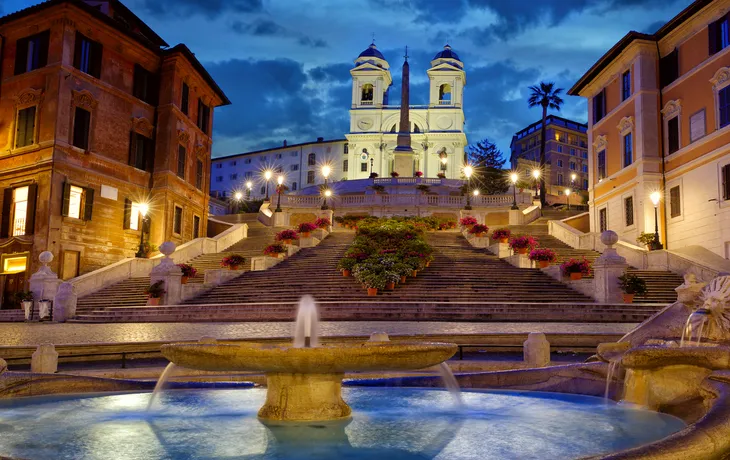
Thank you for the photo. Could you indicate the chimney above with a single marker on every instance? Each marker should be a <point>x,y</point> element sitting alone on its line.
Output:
<point>320,139</point>
<point>284,142</point>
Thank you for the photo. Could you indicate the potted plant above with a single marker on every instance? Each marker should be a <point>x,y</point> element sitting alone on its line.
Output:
<point>543,256</point>
<point>419,174</point>
<point>287,236</point>
<point>631,285</point>
<point>521,244</point>
<point>394,174</point>
<point>379,189</point>
<point>275,250</point>
<point>306,228</point>
<point>575,268</point>
<point>648,240</point>
<point>26,302</point>
<point>373,175</point>
<point>149,249</point>
<point>441,175</point>
<point>478,230</point>
<point>188,271</point>
<point>501,234</point>
<point>323,223</point>
<point>233,261</point>
<point>154,292</point>
<point>346,264</point>
<point>468,221</point>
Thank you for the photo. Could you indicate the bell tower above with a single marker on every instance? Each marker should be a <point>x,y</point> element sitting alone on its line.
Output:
<point>447,79</point>
<point>370,79</point>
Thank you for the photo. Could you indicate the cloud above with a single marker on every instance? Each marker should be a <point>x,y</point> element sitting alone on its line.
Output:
<point>209,8</point>
<point>653,27</point>
<point>267,28</point>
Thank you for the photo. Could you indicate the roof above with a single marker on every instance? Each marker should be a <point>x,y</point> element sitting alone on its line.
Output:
<point>185,51</point>
<point>447,53</point>
<point>551,119</point>
<point>281,147</point>
<point>372,51</point>
<point>629,38</point>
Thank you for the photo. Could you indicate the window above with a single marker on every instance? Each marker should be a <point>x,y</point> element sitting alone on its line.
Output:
<point>723,106</point>
<point>294,167</point>
<point>367,94</point>
<point>585,183</point>
<point>310,177</point>
<point>626,85</point>
<point>560,179</point>
<point>234,176</point>
<point>629,211</point>
<point>363,167</point>
<point>82,124</point>
<point>601,164</point>
<point>218,165</point>
<point>196,227</point>
<point>294,154</point>
<point>31,53</point>
<point>345,148</point>
<point>185,99</point>
<point>278,169</point>
<point>278,156</point>
<point>233,163</point>
<point>726,182</point>
<point>572,152</point>
<point>669,68</point>
<point>584,168</point>
<point>263,190</point>
<point>560,137</point>
<point>145,86</point>
<point>572,166</point>
<point>199,176</point>
<point>132,215</point>
<point>673,135</point>
<point>675,204</point>
<point>312,159</point>
<point>247,161</point>
<point>584,154</point>
<point>294,186</point>
<point>177,221</point>
<point>560,163</point>
<point>87,55</point>
<point>445,94</point>
<point>248,175</point>
<point>219,178</point>
<point>628,150</point>
<point>602,220</point>
<point>181,154</point>
<point>560,149</point>
<point>18,216</point>
<point>718,35</point>
<point>203,116</point>
<point>78,202</point>
<point>141,152</point>
<point>345,165</point>
<point>599,106</point>
<point>25,130</point>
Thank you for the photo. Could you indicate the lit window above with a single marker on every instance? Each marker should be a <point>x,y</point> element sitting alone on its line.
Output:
<point>14,264</point>
<point>135,217</point>
<point>75,197</point>
<point>20,210</point>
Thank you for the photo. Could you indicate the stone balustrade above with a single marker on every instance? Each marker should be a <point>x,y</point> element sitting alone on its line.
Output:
<point>377,200</point>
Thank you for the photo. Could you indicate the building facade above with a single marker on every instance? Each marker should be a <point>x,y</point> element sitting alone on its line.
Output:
<point>102,118</point>
<point>566,154</point>
<point>659,121</point>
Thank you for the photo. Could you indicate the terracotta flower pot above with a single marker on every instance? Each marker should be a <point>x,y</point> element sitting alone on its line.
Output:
<point>287,241</point>
<point>543,263</point>
<point>275,256</point>
<point>305,234</point>
<point>504,240</point>
<point>403,279</point>
<point>372,292</point>
<point>478,235</point>
<point>521,250</point>
<point>346,273</point>
<point>184,280</point>
<point>575,276</point>
<point>153,301</point>
<point>390,286</point>
<point>629,298</point>
<point>415,272</point>
<point>233,267</point>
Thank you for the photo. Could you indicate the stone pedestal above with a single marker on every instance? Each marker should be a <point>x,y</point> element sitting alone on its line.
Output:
<point>264,262</point>
<point>300,397</point>
<point>280,219</point>
<point>606,270</point>
<point>219,276</point>
<point>170,274</point>
<point>308,242</point>
<point>480,242</point>
<point>44,359</point>
<point>403,164</point>
<point>292,249</point>
<point>500,250</point>
<point>515,217</point>
<point>44,283</point>
<point>320,234</point>
<point>64,303</point>
<point>536,350</point>
<point>519,260</point>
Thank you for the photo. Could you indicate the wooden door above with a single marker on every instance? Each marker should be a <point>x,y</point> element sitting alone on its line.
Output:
<point>14,283</point>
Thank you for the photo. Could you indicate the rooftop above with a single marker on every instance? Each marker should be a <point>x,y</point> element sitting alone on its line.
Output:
<point>551,120</point>
<point>281,147</point>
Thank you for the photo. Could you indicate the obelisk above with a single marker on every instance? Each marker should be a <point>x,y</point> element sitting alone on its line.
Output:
<point>403,152</point>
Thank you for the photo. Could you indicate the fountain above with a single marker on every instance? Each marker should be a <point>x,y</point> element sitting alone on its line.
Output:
<point>304,381</point>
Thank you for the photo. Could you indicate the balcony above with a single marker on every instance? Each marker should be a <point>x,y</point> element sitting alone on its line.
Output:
<point>445,102</point>
<point>366,102</point>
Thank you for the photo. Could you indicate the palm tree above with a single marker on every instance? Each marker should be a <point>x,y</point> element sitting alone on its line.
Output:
<point>546,96</point>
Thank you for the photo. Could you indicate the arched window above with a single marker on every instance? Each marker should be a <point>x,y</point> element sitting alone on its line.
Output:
<point>445,94</point>
<point>367,94</point>
<point>392,129</point>
<point>416,128</point>
<point>293,186</point>
<point>312,159</point>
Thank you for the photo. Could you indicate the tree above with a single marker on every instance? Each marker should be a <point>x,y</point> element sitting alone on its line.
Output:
<point>545,96</point>
<point>487,161</point>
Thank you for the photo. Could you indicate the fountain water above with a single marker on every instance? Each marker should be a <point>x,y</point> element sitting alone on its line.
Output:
<point>450,383</point>
<point>612,368</point>
<point>306,333</point>
<point>160,384</point>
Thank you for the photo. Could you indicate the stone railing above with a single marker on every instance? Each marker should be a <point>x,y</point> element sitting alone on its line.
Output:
<point>410,181</point>
<point>134,267</point>
<point>570,235</point>
<point>444,201</point>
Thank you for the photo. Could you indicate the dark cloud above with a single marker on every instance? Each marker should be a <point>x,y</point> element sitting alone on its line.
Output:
<point>268,28</point>
<point>653,27</point>
<point>331,73</point>
<point>210,8</point>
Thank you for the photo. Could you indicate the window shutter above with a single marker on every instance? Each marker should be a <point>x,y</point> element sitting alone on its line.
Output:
<point>713,33</point>
<point>22,128</point>
<point>673,134</point>
<point>7,204</point>
<point>133,149</point>
<point>127,213</point>
<point>77,50</point>
<point>95,59</point>
<point>675,204</point>
<point>669,68</point>
<point>184,100</point>
<point>30,214</point>
<point>43,40</point>
<point>66,198</point>
<point>88,203</point>
<point>21,55</point>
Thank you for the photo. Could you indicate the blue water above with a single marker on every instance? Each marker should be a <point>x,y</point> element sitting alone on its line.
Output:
<point>387,424</point>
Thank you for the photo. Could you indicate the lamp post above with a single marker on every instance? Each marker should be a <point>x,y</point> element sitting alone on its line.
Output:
<point>536,175</point>
<point>327,194</point>
<point>143,209</point>
<point>468,171</point>
<point>655,197</point>
<point>267,176</point>
<point>280,181</point>
<point>249,185</point>
<point>238,196</point>
<point>444,160</point>
<point>567,193</point>
<point>513,178</point>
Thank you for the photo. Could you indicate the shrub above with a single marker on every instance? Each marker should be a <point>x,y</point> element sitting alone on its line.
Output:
<point>394,174</point>
<point>155,290</point>
<point>287,235</point>
<point>441,175</point>
<point>233,260</point>
<point>188,270</point>
<point>275,249</point>
<point>478,228</point>
<point>322,222</point>
<point>646,239</point>
<point>24,296</point>
<point>468,220</point>
<point>575,266</point>
<point>632,284</point>
<point>306,227</point>
<point>522,242</point>
<point>543,255</point>
<point>501,233</point>
<point>423,188</point>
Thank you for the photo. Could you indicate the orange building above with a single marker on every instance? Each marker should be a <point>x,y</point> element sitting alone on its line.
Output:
<point>99,118</point>
<point>659,120</point>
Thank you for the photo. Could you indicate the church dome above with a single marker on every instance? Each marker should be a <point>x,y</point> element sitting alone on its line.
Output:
<point>447,53</point>
<point>372,51</point>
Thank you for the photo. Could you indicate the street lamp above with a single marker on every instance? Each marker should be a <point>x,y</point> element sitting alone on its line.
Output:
<point>143,209</point>
<point>655,197</point>
<point>249,185</point>
<point>536,175</point>
<point>267,175</point>
<point>327,194</point>
<point>238,196</point>
<point>513,178</point>
<point>280,181</point>
<point>444,160</point>
<point>567,193</point>
<point>468,171</point>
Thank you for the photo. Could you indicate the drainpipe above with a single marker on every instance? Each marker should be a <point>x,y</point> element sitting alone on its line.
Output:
<point>661,150</point>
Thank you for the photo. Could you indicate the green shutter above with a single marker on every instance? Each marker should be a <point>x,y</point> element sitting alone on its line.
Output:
<point>30,213</point>
<point>88,203</point>
<point>66,198</point>
<point>127,213</point>
<point>96,52</point>
<point>7,204</point>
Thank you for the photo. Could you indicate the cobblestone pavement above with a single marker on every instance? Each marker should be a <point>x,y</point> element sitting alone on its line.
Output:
<point>71,333</point>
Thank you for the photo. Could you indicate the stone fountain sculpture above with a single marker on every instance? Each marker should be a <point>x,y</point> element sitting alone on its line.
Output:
<point>304,380</point>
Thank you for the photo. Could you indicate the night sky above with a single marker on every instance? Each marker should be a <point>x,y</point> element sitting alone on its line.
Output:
<point>285,63</point>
